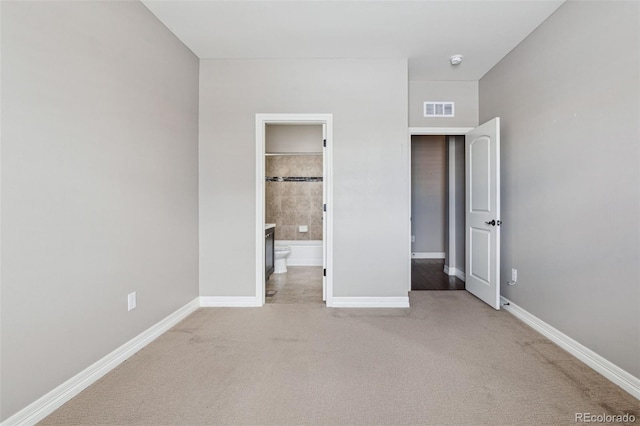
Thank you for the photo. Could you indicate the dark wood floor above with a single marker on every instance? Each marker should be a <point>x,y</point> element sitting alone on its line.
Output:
<point>428,274</point>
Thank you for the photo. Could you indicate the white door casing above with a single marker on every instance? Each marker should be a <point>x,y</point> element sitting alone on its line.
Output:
<point>324,213</point>
<point>326,120</point>
<point>482,167</point>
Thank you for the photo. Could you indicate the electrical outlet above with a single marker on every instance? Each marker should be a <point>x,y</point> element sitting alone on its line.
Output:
<point>413,238</point>
<point>514,275</point>
<point>131,301</point>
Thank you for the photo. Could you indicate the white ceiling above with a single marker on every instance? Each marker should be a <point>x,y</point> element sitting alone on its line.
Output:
<point>425,32</point>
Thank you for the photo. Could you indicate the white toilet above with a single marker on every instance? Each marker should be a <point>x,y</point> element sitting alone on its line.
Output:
<point>281,254</point>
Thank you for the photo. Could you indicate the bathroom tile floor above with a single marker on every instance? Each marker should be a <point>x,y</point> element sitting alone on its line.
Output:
<point>299,285</point>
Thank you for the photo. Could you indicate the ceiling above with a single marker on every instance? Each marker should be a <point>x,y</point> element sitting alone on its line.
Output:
<point>425,32</point>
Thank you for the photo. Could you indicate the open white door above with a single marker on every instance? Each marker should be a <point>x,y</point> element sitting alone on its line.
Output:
<point>482,167</point>
<point>324,212</point>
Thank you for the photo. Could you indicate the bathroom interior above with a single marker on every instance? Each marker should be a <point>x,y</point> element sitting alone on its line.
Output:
<point>294,213</point>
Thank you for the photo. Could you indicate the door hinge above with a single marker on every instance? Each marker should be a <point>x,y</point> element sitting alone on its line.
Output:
<point>324,207</point>
<point>324,143</point>
<point>324,272</point>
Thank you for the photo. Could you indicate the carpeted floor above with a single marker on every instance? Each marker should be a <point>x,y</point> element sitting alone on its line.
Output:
<point>449,359</point>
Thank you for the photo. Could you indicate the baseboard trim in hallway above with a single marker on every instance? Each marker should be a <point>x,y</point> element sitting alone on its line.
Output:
<point>370,302</point>
<point>47,404</point>
<point>609,370</point>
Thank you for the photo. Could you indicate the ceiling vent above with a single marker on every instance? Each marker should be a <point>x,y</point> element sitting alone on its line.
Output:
<point>439,109</point>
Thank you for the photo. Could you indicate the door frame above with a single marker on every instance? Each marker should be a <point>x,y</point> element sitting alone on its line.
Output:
<point>433,131</point>
<point>327,240</point>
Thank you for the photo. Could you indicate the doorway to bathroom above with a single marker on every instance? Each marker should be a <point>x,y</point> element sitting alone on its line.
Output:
<point>293,205</point>
<point>437,212</point>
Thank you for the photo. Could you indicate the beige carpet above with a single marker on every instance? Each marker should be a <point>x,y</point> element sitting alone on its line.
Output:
<point>449,359</point>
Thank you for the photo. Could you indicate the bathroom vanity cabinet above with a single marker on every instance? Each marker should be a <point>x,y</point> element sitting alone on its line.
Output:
<point>269,252</point>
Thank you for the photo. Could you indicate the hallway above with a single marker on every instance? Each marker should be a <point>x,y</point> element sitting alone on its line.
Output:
<point>428,274</point>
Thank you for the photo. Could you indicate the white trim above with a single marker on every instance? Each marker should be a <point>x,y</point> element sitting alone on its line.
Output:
<point>428,255</point>
<point>451,198</point>
<point>454,272</point>
<point>438,131</point>
<point>461,275</point>
<point>260,211</point>
<point>47,404</point>
<point>371,302</point>
<point>261,121</point>
<point>229,301</point>
<point>409,246</point>
<point>609,370</point>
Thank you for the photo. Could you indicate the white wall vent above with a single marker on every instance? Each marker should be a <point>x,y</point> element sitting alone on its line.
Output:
<point>439,109</point>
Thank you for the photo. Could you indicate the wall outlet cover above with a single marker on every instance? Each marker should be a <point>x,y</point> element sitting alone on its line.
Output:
<point>131,301</point>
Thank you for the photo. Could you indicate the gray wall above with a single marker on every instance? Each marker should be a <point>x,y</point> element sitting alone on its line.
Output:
<point>568,98</point>
<point>293,138</point>
<point>99,186</point>
<point>368,100</point>
<point>428,193</point>
<point>463,93</point>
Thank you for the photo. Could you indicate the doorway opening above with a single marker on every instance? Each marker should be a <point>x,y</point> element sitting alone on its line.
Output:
<point>293,220</point>
<point>437,212</point>
<point>481,208</point>
<point>294,210</point>
<point>437,226</point>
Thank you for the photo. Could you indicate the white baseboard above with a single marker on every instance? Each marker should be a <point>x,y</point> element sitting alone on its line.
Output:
<point>428,255</point>
<point>609,370</point>
<point>370,302</point>
<point>228,301</point>
<point>47,404</point>
<point>454,271</point>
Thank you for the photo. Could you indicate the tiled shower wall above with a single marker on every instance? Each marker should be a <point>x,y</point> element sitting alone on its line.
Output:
<point>291,204</point>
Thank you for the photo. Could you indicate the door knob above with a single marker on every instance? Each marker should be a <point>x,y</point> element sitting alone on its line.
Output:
<point>492,223</point>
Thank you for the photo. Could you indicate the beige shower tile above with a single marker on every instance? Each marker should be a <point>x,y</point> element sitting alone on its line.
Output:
<point>303,204</point>
<point>286,232</point>
<point>301,235</point>
<point>288,204</point>
<point>273,205</point>
<point>315,218</point>
<point>286,188</point>
<point>269,165</point>
<point>316,204</point>
<point>303,218</point>
<point>316,166</point>
<point>301,188</point>
<point>315,232</point>
<point>288,217</point>
<point>315,188</point>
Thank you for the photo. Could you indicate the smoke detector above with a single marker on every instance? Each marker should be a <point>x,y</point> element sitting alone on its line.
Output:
<point>455,59</point>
